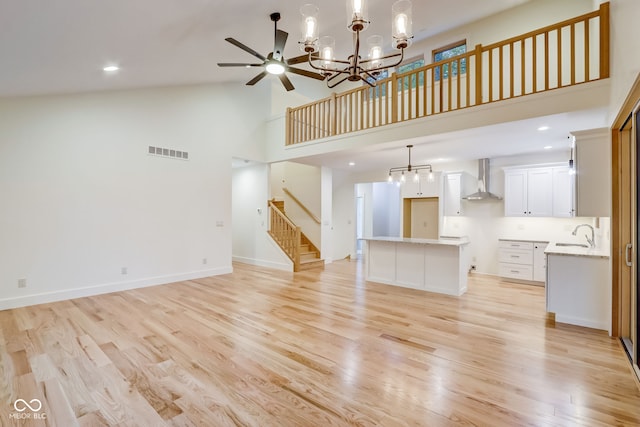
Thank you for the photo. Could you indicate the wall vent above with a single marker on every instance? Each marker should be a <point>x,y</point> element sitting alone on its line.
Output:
<point>168,152</point>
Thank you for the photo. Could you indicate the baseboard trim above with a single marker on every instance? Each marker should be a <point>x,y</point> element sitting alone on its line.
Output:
<point>263,263</point>
<point>106,288</point>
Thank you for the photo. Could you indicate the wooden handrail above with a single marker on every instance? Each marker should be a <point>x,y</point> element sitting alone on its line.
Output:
<point>491,73</point>
<point>285,233</point>
<point>302,206</point>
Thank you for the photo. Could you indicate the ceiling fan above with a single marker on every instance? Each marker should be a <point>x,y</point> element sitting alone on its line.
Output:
<point>274,62</point>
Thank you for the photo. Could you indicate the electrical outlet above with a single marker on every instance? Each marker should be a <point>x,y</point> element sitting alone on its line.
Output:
<point>22,283</point>
<point>123,270</point>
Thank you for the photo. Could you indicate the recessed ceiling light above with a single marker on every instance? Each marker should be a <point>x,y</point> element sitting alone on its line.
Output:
<point>352,163</point>
<point>543,128</point>
<point>548,147</point>
<point>111,68</point>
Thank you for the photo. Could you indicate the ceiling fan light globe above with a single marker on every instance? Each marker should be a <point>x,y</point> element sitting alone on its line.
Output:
<point>275,68</point>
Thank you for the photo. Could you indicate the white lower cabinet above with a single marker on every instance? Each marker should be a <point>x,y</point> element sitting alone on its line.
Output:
<point>522,260</point>
<point>539,262</point>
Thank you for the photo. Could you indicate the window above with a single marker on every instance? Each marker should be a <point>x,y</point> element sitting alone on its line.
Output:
<point>409,65</point>
<point>447,52</point>
<point>378,91</point>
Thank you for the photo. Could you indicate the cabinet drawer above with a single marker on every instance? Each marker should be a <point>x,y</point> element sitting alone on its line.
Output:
<point>515,256</point>
<point>516,271</point>
<point>511,244</point>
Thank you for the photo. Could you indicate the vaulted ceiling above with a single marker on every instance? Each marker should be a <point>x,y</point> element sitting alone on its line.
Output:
<point>61,46</point>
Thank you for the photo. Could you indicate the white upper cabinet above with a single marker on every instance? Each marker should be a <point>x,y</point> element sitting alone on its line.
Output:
<point>453,194</point>
<point>456,185</point>
<point>593,172</point>
<point>538,191</point>
<point>422,188</point>
<point>563,192</point>
<point>515,192</point>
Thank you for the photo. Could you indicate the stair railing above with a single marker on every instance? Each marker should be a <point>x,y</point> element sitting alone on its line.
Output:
<point>285,233</point>
<point>302,206</point>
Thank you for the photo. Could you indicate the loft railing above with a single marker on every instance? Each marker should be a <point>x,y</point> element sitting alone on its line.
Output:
<point>571,52</point>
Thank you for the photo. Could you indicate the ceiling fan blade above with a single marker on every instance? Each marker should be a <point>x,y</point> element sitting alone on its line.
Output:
<point>286,82</point>
<point>278,46</point>
<point>257,78</point>
<point>297,60</point>
<point>237,64</point>
<point>305,73</point>
<point>245,48</point>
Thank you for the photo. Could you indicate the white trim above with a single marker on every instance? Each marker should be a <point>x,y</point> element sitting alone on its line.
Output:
<point>264,263</point>
<point>105,288</point>
<point>582,322</point>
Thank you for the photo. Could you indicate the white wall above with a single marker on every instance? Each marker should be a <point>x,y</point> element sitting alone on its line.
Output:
<point>305,183</point>
<point>386,210</point>
<point>625,33</point>
<point>251,243</point>
<point>82,199</point>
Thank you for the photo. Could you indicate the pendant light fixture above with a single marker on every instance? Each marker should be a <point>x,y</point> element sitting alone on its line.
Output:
<point>401,172</point>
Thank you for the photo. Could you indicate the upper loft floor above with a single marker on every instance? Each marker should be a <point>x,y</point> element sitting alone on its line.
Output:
<point>558,68</point>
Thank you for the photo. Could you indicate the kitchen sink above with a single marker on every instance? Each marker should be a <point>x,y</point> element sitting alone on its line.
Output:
<point>575,245</point>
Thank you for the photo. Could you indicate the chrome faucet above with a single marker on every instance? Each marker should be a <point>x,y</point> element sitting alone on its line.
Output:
<point>592,240</point>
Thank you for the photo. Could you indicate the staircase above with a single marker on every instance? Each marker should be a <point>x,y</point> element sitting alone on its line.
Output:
<point>304,254</point>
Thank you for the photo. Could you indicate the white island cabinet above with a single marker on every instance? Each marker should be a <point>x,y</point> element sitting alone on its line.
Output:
<point>434,265</point>
<point>578,285</point>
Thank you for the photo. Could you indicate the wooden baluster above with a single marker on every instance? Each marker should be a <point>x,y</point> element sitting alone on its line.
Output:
<point>572,54</point>
<point>546,60</point>
<point>501,72</point>
<point>394,98</point>
<point>523,74</point>
<point>604,41</point>
<point>511,65</point>
<point>534,61</point>
<point>478,68</point>
<point>587,50</point>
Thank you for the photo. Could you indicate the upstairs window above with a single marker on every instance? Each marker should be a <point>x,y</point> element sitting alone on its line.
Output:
<point>450,51</point>
<point>409,65</point>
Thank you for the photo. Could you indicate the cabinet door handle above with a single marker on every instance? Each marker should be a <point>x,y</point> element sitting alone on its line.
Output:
<point>515,256</point>
<point>627,259</point>
<point>515,271</point>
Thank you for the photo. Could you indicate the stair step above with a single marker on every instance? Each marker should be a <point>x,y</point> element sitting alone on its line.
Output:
<point>309,255</point>
<point>311,264</point>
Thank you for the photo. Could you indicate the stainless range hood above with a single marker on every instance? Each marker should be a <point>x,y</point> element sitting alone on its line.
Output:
<point>483,184</point>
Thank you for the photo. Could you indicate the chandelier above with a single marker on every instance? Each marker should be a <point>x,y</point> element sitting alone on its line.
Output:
<point>400,170</point>
<point>321,50</point>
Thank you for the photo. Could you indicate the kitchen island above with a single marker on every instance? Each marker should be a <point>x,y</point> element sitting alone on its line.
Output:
<point>434,265</point>
<point>578,286</point>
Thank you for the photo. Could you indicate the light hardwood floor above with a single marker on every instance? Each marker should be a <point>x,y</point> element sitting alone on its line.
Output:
<point>266,348</point>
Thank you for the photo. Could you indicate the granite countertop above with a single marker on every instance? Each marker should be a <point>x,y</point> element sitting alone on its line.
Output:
<point>597,252</point>
<point>504,239</point>
<point>453,241</point>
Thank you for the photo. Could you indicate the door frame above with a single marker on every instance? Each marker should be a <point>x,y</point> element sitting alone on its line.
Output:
<point>621,226</point>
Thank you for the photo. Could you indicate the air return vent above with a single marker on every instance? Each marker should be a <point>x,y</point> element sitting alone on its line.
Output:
<point>168,152</point>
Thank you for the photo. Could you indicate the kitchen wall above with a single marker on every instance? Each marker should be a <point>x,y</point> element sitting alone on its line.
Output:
<point>483,222</point>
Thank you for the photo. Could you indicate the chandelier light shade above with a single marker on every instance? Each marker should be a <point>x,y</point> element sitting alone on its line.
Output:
<point>355,68</point>
<point>357,15</point>
<point>400,172</point>
<point>309,25</point>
